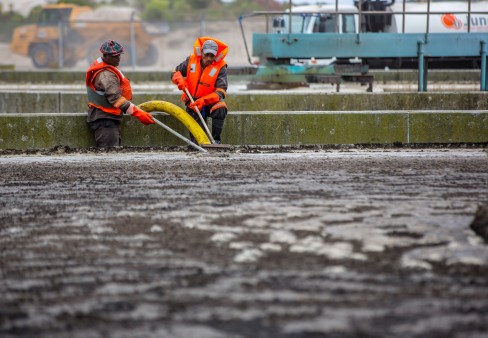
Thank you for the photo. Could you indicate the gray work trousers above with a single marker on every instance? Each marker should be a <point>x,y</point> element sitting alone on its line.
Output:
<point>107,132</point>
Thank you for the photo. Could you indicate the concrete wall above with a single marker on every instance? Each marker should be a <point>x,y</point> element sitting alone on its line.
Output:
<point>66,102</point>
<point>41,131</point>
<point>63,76</point>
<point>30,120</point>
<point>38,131</point>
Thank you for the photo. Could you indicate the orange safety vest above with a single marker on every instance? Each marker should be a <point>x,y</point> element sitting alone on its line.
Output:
<point>201,83</point>
<point>97,98</point>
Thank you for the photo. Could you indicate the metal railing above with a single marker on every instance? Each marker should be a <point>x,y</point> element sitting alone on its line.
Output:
<point>404,13</point>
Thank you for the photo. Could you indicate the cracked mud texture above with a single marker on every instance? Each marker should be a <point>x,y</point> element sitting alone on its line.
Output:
<point>316,243</point>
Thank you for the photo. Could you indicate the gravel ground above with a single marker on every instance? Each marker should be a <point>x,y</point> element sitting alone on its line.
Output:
<point>313,243</point>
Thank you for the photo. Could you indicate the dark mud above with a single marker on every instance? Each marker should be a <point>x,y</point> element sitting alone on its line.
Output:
<point>57,150</point>
<point>249,242</point>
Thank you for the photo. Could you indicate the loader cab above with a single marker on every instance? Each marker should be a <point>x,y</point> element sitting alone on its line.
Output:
<point>52,16</point>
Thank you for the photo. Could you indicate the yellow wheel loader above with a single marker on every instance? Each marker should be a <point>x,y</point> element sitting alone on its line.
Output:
<point>67,33</point>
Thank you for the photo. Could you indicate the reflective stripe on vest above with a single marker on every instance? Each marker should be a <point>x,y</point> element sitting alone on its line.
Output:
<point>218,105</point>
<point>201,82</point>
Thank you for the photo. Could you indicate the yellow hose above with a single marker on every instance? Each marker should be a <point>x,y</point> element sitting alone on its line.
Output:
<point>179,114</point>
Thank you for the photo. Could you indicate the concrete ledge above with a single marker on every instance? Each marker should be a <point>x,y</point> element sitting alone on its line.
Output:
<point>448,127</point>
<point>41,131</point>
<point>66,102</point>
<point>434,76</point>
<point>64,76</point>
<point>352,127</point>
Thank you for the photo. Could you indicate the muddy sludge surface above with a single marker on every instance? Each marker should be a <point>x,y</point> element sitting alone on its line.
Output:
<point>331,243</point>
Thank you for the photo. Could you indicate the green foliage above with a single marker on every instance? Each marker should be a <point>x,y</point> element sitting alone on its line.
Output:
<point>199,4</point>
<point>120,2</point>
<point>77,2</point>
<point>35,13</point>
<point>156,9</point>
<point>174,10</point>
<point>10,20</point>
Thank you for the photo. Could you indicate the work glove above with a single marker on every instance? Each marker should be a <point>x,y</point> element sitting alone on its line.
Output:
<point>205,101</point>
<point>140,114</point>
<point>179,80</point>
<point>197,104</point>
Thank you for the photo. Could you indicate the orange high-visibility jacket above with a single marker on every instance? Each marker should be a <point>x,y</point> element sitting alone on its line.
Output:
<point>201,83</point>
<point>97,98</point>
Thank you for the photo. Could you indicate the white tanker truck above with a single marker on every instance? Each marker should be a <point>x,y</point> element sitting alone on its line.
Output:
<point>444,16</point>
<point>390,16</point>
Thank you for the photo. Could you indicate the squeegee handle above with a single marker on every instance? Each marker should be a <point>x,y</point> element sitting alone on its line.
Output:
<point>181,137</point>
<point>209,134</point>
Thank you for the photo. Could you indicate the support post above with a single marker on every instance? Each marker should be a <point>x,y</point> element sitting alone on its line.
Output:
<point>133,50</point>
<point>203,28</point>
<point>486,75</point>
<point>60,44</point>
<point>426,74</point>
<point>483,85</point>
<point>360,17</point>
<point>420,53</point>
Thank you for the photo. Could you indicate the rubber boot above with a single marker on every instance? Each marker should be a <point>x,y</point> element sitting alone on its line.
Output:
<point>217,127</point>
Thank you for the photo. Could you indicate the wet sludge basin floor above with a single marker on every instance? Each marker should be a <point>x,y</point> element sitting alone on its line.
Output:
<point>252,242</point>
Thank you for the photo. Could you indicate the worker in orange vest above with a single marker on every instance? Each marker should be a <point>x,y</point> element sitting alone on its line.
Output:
<point>109,94</point>
<point>204,74</point>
